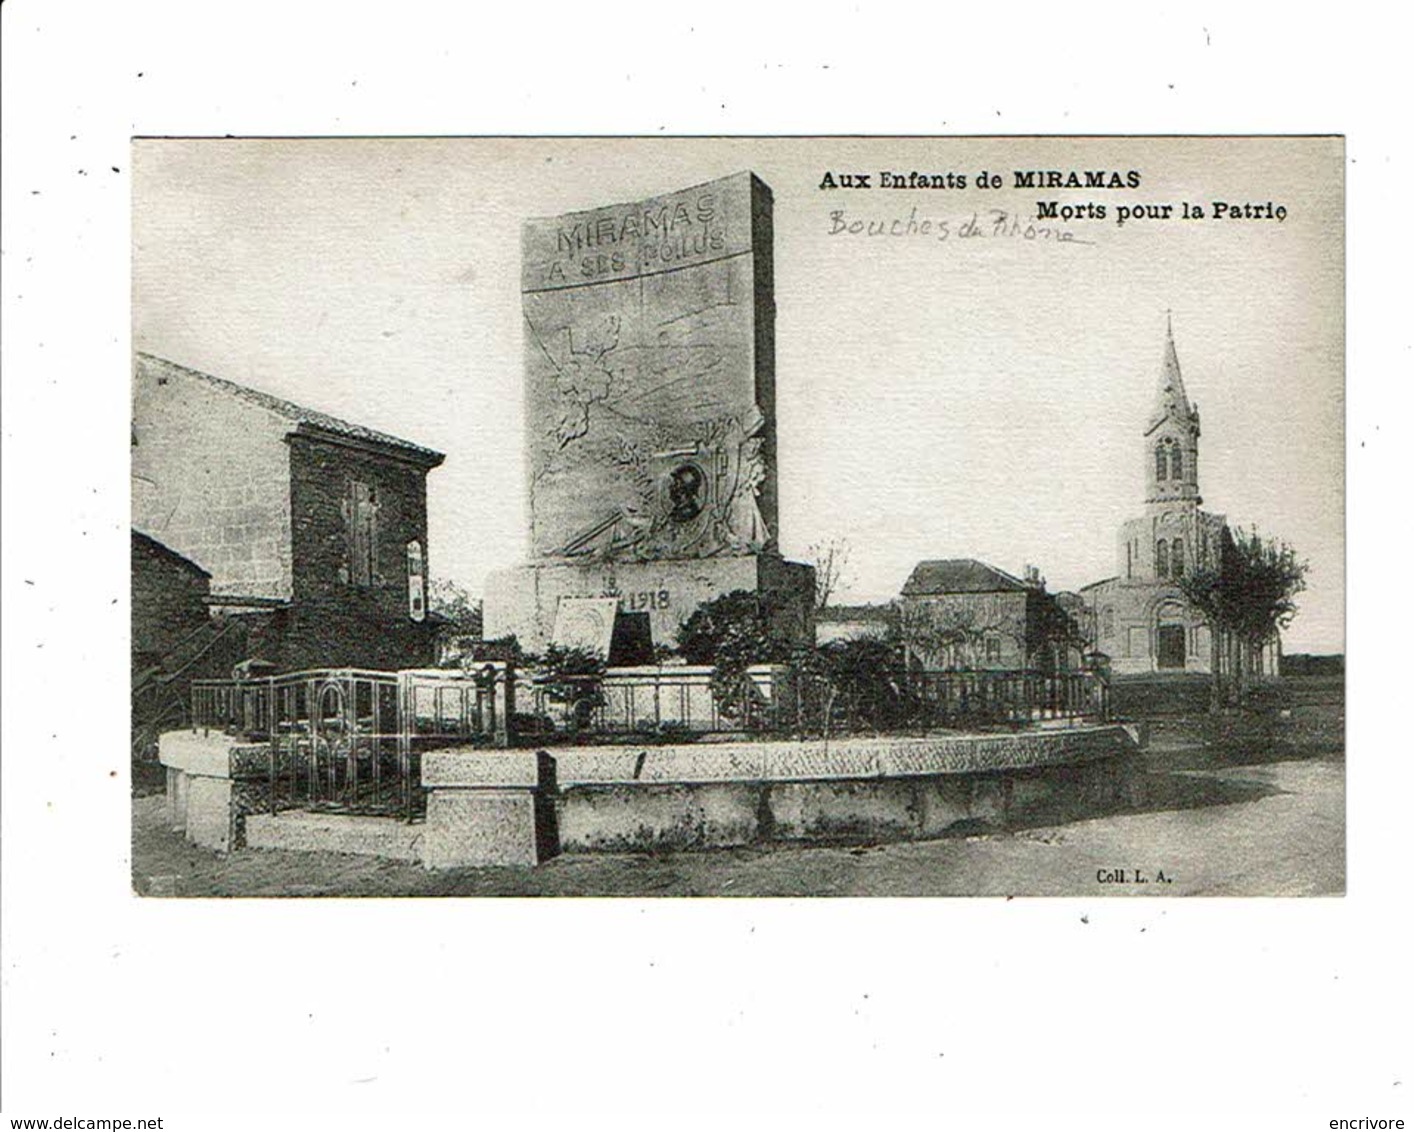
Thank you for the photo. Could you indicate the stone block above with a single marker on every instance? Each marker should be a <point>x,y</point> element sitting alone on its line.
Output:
<point>197,753</point>
<point>176,799</point>
<point>878,810</point>
<point>988,802</point>
<point>210,821</point>
<point>942,804</point>
<point>473,768</point>
<point>294,831</point>
<point>475,828</point>
<point>487,808</point>
<point>705,816</point>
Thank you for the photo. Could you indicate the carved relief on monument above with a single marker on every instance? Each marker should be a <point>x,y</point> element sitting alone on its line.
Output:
<point>647,433</point>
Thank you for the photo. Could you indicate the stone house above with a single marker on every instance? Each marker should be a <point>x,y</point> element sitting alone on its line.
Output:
<point>313,531</point>
<point>1142,621</point>
<point>169,600</point>
<point>962,614</point>
<point>175,638</point>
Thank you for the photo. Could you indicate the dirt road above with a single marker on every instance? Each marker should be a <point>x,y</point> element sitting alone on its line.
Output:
<point>1275,829</point>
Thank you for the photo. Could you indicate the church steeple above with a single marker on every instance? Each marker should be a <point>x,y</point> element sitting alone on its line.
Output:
<point>1171,440</point>
<point>1170,399</point>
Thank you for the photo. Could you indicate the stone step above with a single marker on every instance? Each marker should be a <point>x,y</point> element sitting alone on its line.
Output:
<point>298,831</point>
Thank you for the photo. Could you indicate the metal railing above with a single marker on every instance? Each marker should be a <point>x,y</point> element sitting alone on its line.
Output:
<point>675,702</point>
<point>351,739</point>
<point>1002,697</point>
<point>668,701</point>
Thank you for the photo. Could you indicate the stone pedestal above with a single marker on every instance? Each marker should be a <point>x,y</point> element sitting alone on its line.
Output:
<point>523,600</point>
<point>199,787</point>
<point>482,809</point>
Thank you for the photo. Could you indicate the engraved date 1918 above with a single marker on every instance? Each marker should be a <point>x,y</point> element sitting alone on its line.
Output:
<point>647,599</point>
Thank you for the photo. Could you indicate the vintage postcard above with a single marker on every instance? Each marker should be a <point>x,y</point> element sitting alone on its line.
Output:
<point>926,516</point>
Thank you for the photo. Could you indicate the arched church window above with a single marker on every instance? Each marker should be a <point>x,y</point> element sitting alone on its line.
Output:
<point>1107,622</point>
<point>1160,464</point>
<point>1178,558</point>
<point>1161,559</point>
<point>1176,462</point>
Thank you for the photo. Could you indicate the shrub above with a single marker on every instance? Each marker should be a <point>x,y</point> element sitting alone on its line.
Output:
<point>866,682</point>
<point>573,676</point>
<point>732,632</point>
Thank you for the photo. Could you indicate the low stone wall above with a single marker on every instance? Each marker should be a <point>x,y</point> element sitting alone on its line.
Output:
<point>487,808</point>
<point>505,807</point>
<point>213,782</point>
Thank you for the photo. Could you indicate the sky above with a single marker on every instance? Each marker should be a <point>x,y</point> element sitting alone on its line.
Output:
<point>975,397</point>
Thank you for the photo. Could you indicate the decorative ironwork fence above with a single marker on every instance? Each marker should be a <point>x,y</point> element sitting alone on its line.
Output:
<point>667,701</point>
<point>350,739</point>
<point>673,702</point>
<point>1017,698</point>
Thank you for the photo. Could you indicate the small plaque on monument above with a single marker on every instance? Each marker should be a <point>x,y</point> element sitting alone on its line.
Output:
<point>585,624</point>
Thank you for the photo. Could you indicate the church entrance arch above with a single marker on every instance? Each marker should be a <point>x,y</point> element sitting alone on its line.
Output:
<point>1171,635</point>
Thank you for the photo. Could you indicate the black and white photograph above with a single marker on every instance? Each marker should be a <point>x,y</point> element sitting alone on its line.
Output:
<point>633,567</point>
<point>567,533</point>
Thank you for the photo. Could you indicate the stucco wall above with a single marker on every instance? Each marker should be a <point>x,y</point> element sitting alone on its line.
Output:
<point>952,630</point>
<point>211,480</point>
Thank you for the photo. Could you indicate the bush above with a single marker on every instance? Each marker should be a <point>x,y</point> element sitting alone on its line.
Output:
<point>865,681</point>
<point>732,632</point>
<point>574,677</point>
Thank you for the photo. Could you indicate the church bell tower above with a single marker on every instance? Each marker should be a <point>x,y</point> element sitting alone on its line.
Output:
<point>1171,438</point>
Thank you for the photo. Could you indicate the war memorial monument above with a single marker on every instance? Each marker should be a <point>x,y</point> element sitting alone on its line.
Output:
<point>650,410</point>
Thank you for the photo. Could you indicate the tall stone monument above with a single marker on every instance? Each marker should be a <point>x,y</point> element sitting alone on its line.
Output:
<point>651,413</point>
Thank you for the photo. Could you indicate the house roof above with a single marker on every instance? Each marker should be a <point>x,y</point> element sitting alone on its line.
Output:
<point>837,613</point>
<point>960,576</point>
<point>306,420</point>
<point>162,550</point>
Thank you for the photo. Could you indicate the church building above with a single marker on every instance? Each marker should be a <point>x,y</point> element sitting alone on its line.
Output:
<point>1142,622</point>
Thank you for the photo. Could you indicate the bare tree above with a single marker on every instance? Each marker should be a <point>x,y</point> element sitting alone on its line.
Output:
<point>1247,595</point>
<point>951,631</point>
<point>831,565</point>
<point>452,600</point>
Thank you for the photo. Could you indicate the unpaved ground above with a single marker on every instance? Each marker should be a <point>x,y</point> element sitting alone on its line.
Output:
<point>1264,826</point>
